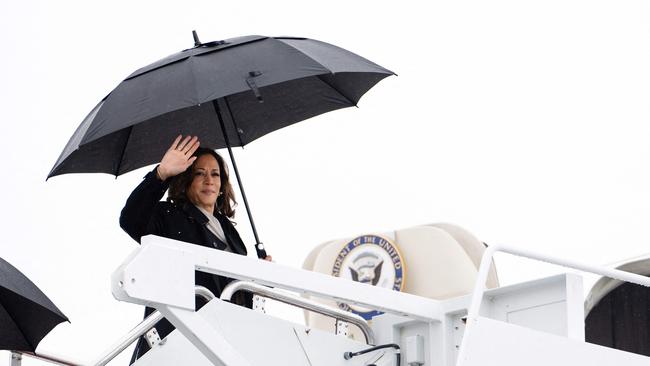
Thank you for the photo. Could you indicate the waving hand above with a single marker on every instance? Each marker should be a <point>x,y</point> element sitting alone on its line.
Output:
<point>178,157</point>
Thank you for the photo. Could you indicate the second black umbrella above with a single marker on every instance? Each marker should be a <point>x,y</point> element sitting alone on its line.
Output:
<point>26,314</point>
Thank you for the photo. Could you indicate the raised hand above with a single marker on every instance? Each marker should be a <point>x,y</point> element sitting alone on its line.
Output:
<point>178,157</point>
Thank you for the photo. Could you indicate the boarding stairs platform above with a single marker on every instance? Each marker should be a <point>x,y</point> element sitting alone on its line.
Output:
<point>535,323</point>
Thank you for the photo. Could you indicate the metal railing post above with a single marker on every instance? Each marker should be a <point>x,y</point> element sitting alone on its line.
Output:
<point>16,358</point>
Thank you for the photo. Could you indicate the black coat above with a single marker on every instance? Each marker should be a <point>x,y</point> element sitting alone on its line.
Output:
<point>145,214</point>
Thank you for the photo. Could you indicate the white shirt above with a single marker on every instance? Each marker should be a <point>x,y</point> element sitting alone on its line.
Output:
<point>215,227</point>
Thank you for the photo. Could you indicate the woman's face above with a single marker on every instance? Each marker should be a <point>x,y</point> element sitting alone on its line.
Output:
<point>206,182</point>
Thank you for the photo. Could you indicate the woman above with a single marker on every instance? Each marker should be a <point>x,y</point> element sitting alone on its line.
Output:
<point>198,210</point>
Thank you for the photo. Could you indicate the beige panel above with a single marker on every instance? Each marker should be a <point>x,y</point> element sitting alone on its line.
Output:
<point>311,257</point>
<point>436,266</point>
<point>473,247</point>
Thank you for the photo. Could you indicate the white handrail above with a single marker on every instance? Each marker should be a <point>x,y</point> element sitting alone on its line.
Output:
<point>43,357</point>
<point>486,261</point>
<point>300,302</point>
<point>142,328</point>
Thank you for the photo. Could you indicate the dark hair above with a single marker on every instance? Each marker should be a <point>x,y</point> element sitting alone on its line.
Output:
<point>179,184</point>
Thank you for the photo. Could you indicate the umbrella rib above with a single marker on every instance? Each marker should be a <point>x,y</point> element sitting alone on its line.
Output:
<point>232,119</point>
<point>338,91</point>
<point>126,143</point>
<point>197,96</point>
<point>327,83</point>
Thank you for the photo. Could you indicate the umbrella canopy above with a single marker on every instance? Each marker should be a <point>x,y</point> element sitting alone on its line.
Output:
<point>257,84</point>
<point>26,314</point>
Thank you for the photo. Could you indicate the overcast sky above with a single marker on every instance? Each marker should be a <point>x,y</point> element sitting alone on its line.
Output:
<point>525,122</point>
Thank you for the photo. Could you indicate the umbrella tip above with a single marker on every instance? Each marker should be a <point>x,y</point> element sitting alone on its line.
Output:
<point>196,39</point>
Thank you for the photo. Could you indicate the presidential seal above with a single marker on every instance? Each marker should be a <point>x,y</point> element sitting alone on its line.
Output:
<point>373,260</point>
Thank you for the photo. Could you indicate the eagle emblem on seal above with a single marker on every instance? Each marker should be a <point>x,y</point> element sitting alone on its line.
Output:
<point>373,260</point>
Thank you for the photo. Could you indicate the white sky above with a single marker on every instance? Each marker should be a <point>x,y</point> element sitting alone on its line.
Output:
<point>526,122</point>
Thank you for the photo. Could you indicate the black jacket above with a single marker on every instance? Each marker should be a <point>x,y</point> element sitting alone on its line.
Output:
<point>145,214</point>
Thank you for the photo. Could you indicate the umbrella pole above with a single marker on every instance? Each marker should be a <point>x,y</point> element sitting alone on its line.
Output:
<point>259,247</point>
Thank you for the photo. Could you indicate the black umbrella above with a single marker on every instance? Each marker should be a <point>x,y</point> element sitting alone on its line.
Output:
<point>26,314</point>
<point>228,93</point>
